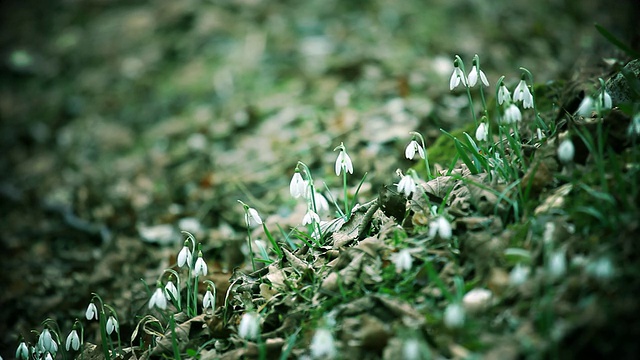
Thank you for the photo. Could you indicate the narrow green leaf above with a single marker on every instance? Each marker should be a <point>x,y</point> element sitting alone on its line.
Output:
<point>617,42</point>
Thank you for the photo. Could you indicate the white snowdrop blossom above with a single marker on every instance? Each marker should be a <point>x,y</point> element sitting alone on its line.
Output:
<point>477,299</point>
<point>249,328</point>
<point>184,256</point>
<point>402,260</point>
<point>322,204</point>
<point>310,218</point>
<point>46,342</point>
<point>170,291</point>
<point>473,77</point>
<point>298,186</point>
<point>585,107</point>
<point>557,265</point>
<point>605,100</point>
<point>112,325</point>
<point>407,185</point>
<point>457,77</point>
<point>503,95</point>
<point>482,132</point>
<point>566,151</point>
<point>200,268</point>
<point>411,350</point>
<point>522,93</point>
<point>440,226</point>
<point>22,352</point>
<point>73,341</point>
<point>251,217</point>
<point>92,312</point>
<point>208,301</point>
<point>343,162</point>
<point>412,149</point>
<point>601,269</point>
<point>518,275</point>
<point>322,345</point>
<point>48,356</point>
<point>512,114</point>
<point>158,299</point>
<point>454,316</point>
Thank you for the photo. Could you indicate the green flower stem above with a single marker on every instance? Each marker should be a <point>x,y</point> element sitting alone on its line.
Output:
<point>103,327</point>
<point>347,211</point>
<point>312,196</point>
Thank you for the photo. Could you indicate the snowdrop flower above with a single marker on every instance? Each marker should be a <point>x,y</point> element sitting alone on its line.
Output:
<point>557,265</point>
<point>200,268</point>
<point>48,356</point>
<point>322,345</point>
<point>566,151</point>
<point>184,256</point>
<point>412,149</point>
<point>322,204</point>
<point>454,316</point>
<point>91,312</point>
<point>604,101</point>
<point>158,299</point>
<point>249,328</point>
<point>457,76</point>
<point>503,94</point>
<point>298,186</point>
<point>112,325</point>
<point>512,114</point>
<point>73,341</point>
<point>586,106</point>
<point>440,226</point>
<point>208,301</point>
<point>601,269</point>
<point>473,74</point>
<point>522,93</point>
<point>46,342</point>
<point>411,350</point>
<point>477,299</point>
<point>402,260</point>
<point>22,352</point>
<point>406,185</point>
<point>482,132</point>
<point>251,217</point>
<point>170,291</point>
<point>310,218</point>
<point>343,162</point>
<point>518,275</point>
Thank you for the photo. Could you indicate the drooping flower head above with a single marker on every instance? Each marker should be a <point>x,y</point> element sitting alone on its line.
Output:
<point>566,151</point>
<point>477,72</point>
<point>407,184</point>
<point>200,269</point>
<point>249,328</point>
<point>158,299</point>
<point>298,186</point>
<point>402,260</point>
<point>91,312</point>
<point>343,162</point>
<point>504,96</point>
<point>522,93</point>
<point>413,148</point>
<point>209,300</point>
<point>458,75</point>
<point>73,341</point>
<point>184,256</point>
<point>512,114</point>
<point>322,345</point>
<point>112,325</point>
<point>482,132</point>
